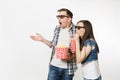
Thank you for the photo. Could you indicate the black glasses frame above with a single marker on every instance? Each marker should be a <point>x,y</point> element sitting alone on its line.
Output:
<point>62,16</point>
<point>79,27</point>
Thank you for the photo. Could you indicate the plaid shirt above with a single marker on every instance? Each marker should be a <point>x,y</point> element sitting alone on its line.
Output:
<point>71,65</point>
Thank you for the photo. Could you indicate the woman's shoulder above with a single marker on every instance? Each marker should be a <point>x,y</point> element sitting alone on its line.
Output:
<point>89,41</point>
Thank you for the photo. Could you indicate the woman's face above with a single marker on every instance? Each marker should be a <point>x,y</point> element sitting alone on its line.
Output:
<point>80,30</point>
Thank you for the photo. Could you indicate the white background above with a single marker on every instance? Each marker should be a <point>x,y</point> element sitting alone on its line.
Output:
<point>24,59</point>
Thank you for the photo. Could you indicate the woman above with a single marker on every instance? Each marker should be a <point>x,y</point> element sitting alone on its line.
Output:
<point>87,51</point>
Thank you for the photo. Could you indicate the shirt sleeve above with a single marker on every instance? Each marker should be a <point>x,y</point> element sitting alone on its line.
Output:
<point>90,42</point>
<point>55,36</point>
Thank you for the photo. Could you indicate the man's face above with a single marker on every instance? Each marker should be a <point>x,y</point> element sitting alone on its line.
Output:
<point>64,19</point>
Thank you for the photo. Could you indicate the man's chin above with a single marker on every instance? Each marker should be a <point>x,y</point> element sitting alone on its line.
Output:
<point>62,27</point>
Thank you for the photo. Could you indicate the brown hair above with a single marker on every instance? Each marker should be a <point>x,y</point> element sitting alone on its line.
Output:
<point>88,33</point>
<point>69,13</point>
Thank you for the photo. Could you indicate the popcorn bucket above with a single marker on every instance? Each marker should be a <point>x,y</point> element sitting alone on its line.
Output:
<point>62,52</point>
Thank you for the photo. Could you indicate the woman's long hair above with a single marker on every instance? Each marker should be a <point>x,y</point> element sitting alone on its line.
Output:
<point>88,33</point>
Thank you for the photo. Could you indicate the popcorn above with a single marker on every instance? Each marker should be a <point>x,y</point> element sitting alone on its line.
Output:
<point>61,46</point>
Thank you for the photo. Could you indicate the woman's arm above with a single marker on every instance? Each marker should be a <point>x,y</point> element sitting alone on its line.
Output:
<point>78,56</point>
<point>82,55</point>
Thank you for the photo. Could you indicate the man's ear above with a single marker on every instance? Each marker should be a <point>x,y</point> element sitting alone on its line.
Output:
<point>70,19</point>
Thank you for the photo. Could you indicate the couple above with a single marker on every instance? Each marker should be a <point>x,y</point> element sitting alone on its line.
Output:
<point>86,51</point>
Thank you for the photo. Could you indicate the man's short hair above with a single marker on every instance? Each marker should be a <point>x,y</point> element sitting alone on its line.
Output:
<point>69,13</point>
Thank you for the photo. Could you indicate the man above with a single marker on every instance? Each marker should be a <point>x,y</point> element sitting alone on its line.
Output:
<point>60,69</point>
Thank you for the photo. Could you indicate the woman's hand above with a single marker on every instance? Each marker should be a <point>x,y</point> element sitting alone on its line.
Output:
<point>76,36</point>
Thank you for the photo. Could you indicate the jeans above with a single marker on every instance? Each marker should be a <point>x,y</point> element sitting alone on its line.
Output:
<point>99,78</point>
<point>56,73</point>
